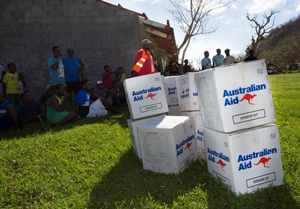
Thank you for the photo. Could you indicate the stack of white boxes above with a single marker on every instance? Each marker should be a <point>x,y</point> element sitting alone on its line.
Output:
<point>146,100</point>
<point>190,106</point>
<point>236,103</point>
<point>172,94</point>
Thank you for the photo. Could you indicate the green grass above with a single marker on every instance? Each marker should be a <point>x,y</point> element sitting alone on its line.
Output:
<point>90,164</point>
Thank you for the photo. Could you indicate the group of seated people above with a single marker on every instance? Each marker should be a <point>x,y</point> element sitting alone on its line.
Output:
<point>53,108</point>
<point>113,91</point>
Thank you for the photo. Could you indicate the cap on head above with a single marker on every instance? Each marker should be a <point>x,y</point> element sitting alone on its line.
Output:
<point>146,41</point>
<point>99,82</point>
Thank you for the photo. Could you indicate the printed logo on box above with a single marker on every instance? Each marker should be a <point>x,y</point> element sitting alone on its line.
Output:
<point>186,93</point>
<point>245,161</point>
<point>213,153</point>
<point>231,96</point>
<point>249,98</point>
<point>188,146</point>
<point>151,96</point>
<point>199,135</point>
<point>139,95</point>
<point>222,164</point>
<point>172,90</point>
<point>264,161</point>
<point>187,142</point>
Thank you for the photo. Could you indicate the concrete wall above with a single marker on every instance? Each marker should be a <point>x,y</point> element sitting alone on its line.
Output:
<point>99,34</point>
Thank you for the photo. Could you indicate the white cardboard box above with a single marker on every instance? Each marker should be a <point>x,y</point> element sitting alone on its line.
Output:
<point>235,97</point>
<point>245,160</point>
<point>133,125</point>
<point>174,111</point>
<point>145,96</point>
<point>188,94</point>
<point>169,145</point>
<point>171,90</point>
<point>199,132</point>
<point>178,89</point>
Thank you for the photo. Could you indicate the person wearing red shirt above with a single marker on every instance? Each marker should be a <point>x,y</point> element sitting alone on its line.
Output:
<point>106,77</point>
<point>148,67</point>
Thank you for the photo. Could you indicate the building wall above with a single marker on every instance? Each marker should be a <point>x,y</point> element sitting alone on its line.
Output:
<point>99,34</point>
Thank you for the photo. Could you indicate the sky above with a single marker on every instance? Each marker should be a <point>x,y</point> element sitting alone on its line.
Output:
<point>234,30</point>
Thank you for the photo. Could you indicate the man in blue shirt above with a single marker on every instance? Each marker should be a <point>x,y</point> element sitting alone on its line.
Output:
<point>56,69</point>
<point>8,117</point>
<point>30,110</point>
<point>218,59</point>
<point>89,104</point>
<point>73,69</point>
<point>206,62</point>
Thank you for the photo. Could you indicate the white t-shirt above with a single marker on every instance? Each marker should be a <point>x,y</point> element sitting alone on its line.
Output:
<point>228,60</point>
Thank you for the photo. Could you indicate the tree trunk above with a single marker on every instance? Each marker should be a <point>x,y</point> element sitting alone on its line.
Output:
<point>183,54</point>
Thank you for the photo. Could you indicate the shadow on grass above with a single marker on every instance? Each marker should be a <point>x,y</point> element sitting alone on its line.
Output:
<point>220,196</point>
<point>127,185</point>
<point>42,128</point>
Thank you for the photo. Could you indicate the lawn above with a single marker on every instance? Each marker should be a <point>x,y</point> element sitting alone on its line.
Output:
<point>90,164</point>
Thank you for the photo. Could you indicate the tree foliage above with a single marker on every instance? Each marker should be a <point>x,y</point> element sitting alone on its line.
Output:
<point>281,46</point>
<point>261,29</point>
<point>194,18</point>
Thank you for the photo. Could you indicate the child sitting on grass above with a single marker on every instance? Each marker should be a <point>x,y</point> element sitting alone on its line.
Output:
<point>117,95</point>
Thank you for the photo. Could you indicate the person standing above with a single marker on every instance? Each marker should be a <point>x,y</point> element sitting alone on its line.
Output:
<point>120,70</point>
<point>73,68</point>
<point>251,56</point>
<point>10,85</point>
<point>106,77</point>
<point>206,62</point>
<point>56,69</point>
<point>144,63</point>
<point>186,66</point>
<point>21,85</point>
<point>173,67</point>
<point>218,59</point>
<point>228,60</point>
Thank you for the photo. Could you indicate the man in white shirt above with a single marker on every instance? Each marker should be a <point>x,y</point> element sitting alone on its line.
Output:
<point>228,60</point>
<point>206,62</point>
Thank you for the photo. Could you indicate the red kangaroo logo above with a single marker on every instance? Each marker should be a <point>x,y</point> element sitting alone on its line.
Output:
<point>188,145</point>
<point>263,161</point>
<point>183,91</point>
<point>222,164</point>
<point>248,97</point>
<point>151,96</point>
